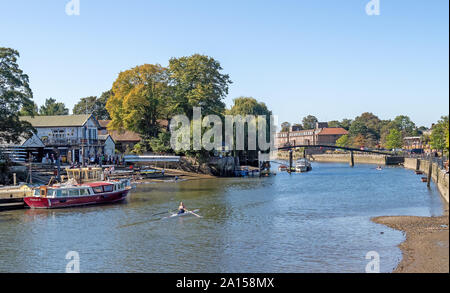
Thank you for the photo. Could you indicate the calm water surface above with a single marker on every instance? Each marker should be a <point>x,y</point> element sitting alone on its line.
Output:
<point>313,222</point>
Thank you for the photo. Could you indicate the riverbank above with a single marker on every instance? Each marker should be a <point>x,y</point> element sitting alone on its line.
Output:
<point>171,175</point>
<point>426,248</point>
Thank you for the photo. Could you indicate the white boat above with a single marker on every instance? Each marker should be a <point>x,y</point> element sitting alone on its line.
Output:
<point>187,213</point>
<point>303,165</point>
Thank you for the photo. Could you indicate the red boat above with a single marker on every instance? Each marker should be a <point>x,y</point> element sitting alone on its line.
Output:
<point>68,195</point>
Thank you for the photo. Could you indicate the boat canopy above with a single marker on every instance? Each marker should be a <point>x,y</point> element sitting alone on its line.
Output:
<point>84,174</point>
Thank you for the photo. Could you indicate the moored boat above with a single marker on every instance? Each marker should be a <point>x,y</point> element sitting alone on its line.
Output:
<point>303,165</point>
<point>69,195</point>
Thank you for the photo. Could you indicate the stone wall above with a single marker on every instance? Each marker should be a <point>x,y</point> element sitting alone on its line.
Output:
<point>345,158</point>
<point>439,177</point>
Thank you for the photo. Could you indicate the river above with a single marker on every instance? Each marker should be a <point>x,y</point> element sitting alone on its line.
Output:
<point>312,222</point>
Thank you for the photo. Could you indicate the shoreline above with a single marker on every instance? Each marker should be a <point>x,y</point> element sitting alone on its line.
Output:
<point>426,247</point>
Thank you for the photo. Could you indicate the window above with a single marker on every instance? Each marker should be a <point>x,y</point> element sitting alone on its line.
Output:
<point>97,189</point>
<point>58,193</point>
<point>108,188</point>
<point>84,191</point>
<point>74,192</point>
<point>64,192</point>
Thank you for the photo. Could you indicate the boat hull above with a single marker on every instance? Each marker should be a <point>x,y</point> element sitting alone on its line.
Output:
<point>55,203</point>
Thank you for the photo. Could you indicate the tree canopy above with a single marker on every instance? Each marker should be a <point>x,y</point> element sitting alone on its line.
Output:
<point>139,99</point>
<point>94,105</point>
<point>53,108</point>
<point>15,94</point>
<point>197,81</point>
<point>309,122</point>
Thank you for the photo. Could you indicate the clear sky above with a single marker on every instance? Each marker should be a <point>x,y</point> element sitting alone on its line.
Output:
<point>327,58</point>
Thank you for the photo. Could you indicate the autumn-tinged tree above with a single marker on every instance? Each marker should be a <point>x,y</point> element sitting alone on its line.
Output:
<point>15,94</point>
<point>94,105</point>
<point>53,108</point>
<point>343,141</point>
<point>140,97</point>
<point>197,81</point>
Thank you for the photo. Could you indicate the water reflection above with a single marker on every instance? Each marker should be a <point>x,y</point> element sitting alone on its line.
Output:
<point>313,222</point>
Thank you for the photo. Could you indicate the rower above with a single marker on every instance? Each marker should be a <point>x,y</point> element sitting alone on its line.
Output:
<point>181,208</point>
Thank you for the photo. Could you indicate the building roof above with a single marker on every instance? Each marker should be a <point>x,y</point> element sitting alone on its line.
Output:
<point>125,135</point>
<point>333,131</point>
<point>25,140</point>
<point>103,123</point>
<point>57,121</point>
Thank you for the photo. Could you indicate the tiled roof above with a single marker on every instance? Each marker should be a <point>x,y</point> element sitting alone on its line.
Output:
<point>333,131</point>
<point>126,135</point>
<point>56,121</point>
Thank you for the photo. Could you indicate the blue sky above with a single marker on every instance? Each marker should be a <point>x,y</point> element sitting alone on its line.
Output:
<point>327,58</point>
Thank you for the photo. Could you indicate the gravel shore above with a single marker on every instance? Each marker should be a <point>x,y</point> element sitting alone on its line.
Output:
<point>426,249</point>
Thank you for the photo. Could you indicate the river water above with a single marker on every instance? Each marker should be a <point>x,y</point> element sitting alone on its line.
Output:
<point>312,222</point>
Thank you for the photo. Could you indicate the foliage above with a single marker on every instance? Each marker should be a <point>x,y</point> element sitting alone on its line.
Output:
<point>439,134</point>
<point>197,81</point>
<point>161,144</point>
<point>343,141</point>
<point>94,105</point>
<point>309,122</point>
<point>285,126</point>
<point>15,94</point>
<point>53,108</point>
<point>139,99</point>
<point>394,139</point>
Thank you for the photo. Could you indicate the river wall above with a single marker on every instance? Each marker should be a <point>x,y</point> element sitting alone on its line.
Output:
<point>358,159</point>
<point>439,177</point>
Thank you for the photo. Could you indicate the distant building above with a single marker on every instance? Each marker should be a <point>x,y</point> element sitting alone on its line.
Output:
<point>73,136</point>
<point>321,135</point>
<point>123,139</point>
<point>413,142</point>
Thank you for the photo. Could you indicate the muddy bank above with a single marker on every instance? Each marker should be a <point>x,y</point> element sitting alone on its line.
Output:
<point>426,248</point>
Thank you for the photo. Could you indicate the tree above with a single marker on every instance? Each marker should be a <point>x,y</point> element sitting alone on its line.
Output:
<point>343,141</point>
<point>250,106</point>
<point>346,123</point>
<point>139,99</point>
<point>334,123</point>
<point>32,110</point>
<point>197,81</point>
<point>15,93</point>
<point>405,125</point>
<point>161,144</point>
<point>394,139</point>
<point>53,108</point>
<point>285,126</point>
<point>95,106</point>
<point>309,122</point>
<point>372,123</point>
<point>439,134</point>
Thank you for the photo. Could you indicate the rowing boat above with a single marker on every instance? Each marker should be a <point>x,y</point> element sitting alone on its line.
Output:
<point>182,215</point>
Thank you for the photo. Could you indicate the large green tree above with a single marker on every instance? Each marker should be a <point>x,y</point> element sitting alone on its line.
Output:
<point>53,108</point>
<point>198,81</point>
<point>94,105</point>
<point>15,94</point>
<point>394,139</point>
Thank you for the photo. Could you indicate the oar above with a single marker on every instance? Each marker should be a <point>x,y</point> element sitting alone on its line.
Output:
<point>169,211</point>
<point>194,214</point>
